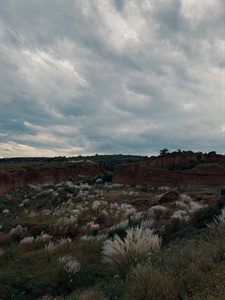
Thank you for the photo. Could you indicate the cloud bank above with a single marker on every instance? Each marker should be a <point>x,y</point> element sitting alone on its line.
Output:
<point>112,76</point>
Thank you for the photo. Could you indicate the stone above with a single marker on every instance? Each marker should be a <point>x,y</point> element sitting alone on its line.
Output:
<point>169,197</point>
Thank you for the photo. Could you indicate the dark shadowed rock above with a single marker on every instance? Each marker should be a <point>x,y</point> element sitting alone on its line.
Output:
<point>169,197</point>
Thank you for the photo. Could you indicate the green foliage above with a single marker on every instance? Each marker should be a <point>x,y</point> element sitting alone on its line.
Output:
<point>172,229</point>
<point>11,251</point>
<point>203,216</point>
<point>66,282</point>
<point>90,275</point>
<point>145,283</point>
<point>37,230</point>
<point>19,285</point>
<point>109,161</point>
<point>190,254</point>
<point>113,289</point>
<point>121,232</point>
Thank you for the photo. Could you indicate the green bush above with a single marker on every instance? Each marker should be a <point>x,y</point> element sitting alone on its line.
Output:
<point>121,232</point>
<point>202,217</point>
<point>113,289</point>
<point>146,283</point>
<point>11,251</point>
<point>37,230</point>
<point>19,285</point>
<point>172,228</point>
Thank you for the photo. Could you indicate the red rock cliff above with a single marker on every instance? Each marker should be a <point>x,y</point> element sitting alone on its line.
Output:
<point>156,172</point>
<point>32,175</point>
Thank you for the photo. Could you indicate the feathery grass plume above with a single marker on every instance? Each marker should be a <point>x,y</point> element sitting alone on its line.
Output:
<point>194,206</point>
<point>163,188</point>
<point>181,215</point>
<point>43,237</point>
<point>1,252</point>
<point>64,241</point>
<point>185,198</point>
<point>119,229</point>
<point>157,211</point>
<point>27,240</point>
<point>122,224</point>
<point>147,223</point>
<point>69,264</point>
<point>96,206</point>
<point>26,244</point>
<point>137,246</point>
<point>49,249</point>
<point>17,233</point>
<point>91,238</point>
<point>218,225</point>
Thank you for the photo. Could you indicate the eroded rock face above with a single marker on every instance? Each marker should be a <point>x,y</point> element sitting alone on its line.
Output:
<point>209,172</point>
<point>32,175</point>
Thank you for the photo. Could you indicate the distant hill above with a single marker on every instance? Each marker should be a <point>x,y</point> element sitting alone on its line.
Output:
<point>109,161</point>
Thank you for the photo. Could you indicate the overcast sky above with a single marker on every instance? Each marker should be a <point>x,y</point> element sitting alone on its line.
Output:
<point>112,76</point>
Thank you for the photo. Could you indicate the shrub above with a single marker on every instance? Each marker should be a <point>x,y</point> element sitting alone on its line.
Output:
<point>186,264</point>
<point>157,211</point>
<point>217,232</point>
<point>144,283</point>
<point>118,229</point>
<point>123,255</point>
<point>19,285</point>
<point>68,268</point>
<point>17,233</point>
<point>217,227</point>
<point>171,229</point>
<point>202,217</point>
<point>49,249</point>
<point>37,230</point>
<point>113,289</point>
<point>11,251</point>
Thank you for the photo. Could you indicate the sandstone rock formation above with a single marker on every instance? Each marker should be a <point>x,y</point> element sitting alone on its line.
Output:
<point>33,175</point>
<point>174,170</point>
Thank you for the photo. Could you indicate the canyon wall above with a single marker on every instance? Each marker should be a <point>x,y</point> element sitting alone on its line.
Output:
<point>209,171</point>
<point>176,158</point>
<point>32,175</point>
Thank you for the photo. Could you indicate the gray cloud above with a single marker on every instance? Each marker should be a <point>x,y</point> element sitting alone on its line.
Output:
<point>83,77</point>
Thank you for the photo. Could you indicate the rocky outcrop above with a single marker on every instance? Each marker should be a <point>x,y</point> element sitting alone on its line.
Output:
<point>209,171</point>
<point>181,159</point>
<point>33,175</point>
<point>169,197</point>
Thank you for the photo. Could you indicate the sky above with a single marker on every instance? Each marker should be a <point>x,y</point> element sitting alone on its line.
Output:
<point>111,77</point>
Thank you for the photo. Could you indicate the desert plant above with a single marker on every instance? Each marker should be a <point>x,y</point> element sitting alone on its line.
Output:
<point>217,231</point>
<point>145,282</point>
<point>49,249</point>
<point>217,227</point>
<point>137,246</point>
<point>157,211</point>
<point>68,268</point>
<point>118,229</point>
<point>92,294</point>
<point>17,233</point>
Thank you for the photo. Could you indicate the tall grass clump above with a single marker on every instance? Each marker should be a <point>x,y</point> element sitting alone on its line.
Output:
<point>217,232</point>
<point>68,268</point>
<point>145,282</point>
<point>124,254</point>
<point>217,227</point>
